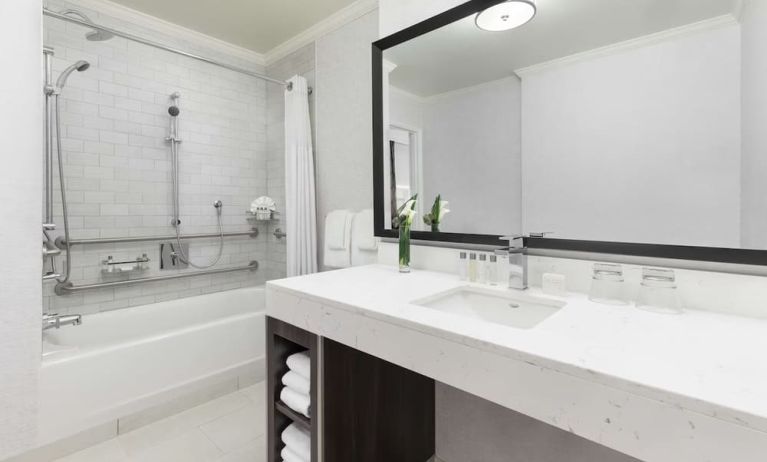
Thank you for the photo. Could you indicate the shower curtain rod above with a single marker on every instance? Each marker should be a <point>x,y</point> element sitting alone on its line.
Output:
<point>135,38</point>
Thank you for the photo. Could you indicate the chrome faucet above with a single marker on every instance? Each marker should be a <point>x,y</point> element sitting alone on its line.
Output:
<point>55,321</point>
<point>517,261</point>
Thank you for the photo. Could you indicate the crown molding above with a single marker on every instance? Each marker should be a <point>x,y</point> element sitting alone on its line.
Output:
<point>658,37</point>
<point>108,8</point>
<point>341,17</point>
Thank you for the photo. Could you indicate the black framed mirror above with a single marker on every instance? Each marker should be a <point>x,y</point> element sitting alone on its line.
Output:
<point>620,127</point>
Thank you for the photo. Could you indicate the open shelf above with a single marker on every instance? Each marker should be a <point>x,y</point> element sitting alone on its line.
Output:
<point>284,340</point>
<point>300,419</point>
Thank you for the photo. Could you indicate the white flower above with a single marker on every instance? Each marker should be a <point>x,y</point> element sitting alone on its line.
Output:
<point>443,210</point>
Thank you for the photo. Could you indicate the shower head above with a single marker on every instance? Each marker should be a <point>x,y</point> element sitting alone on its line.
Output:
<point>79,66</point>
<point>95,35</point>
<point>174,111</point>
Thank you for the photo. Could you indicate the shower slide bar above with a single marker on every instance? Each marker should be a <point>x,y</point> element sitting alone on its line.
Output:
<point>135,38</point>
<point>61,243</point>
<point>69,288</point>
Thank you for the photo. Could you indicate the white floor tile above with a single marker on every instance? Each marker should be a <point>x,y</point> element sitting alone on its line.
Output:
<point>145,437</point>
<point>256,393</point>
<point>253,452</point>
<point>238,429</point>
<point>109,450</point>
<point>192,446</point>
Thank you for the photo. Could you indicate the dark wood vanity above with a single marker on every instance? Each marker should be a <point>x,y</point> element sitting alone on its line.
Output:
<point>370,410</point>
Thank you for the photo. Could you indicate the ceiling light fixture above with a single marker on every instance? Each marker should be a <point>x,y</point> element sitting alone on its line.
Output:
<point>506,15</point>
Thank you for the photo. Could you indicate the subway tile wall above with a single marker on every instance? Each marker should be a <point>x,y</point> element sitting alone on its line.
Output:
<point>117,162</point>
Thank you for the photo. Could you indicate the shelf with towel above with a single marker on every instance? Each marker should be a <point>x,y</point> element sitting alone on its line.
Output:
<point>283,341</point>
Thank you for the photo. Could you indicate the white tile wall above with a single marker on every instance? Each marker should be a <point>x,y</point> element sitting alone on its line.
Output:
<point>114,121</point>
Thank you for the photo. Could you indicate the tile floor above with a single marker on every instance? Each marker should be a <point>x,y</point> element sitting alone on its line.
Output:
<point>231,428</point>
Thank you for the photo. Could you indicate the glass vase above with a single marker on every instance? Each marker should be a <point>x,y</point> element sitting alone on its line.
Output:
<point>434,227</point>
<point>404,248</point>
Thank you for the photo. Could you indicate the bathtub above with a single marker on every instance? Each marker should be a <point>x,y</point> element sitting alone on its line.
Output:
<point>121,363</point>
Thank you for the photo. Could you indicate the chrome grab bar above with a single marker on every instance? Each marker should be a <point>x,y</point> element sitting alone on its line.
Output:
<point>69,288</point>
<point>62,243</point>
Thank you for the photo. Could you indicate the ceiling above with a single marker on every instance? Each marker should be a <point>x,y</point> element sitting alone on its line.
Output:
<point>258,25</point>
<point>461,55</point>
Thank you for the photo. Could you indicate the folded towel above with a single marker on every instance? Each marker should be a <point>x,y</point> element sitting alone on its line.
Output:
<point>364,242</point>
<point>289,456</point>
<point>299,402</point>
<point>337,242</point>
<point>300,363</point>
<point>363,234</point>
<point>298,440</point>
<point>297,382</point>
<point>336,230</point>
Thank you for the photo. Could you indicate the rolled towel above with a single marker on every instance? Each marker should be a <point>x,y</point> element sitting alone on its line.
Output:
<point>289,456</point>
<point>297,382</point>
<point>299,402</point>
<point>301,363</point>
<point>298,440</point>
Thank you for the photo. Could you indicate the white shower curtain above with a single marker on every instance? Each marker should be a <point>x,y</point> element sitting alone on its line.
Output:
<point>301,210</point>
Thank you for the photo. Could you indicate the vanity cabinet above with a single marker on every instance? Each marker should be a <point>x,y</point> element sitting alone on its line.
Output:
<point>369,409</point>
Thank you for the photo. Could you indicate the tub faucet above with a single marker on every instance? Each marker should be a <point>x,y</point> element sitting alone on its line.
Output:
<point>55,321</point>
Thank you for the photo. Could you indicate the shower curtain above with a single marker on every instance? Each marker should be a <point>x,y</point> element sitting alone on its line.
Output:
<point>301,210</point>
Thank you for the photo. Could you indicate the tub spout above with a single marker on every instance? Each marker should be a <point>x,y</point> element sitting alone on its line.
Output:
<point>55,321</point>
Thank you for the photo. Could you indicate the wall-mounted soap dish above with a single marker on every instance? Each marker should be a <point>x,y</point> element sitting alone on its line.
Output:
<point>112,266</point>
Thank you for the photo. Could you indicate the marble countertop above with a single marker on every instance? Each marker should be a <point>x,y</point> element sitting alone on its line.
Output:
<point>709,363</point>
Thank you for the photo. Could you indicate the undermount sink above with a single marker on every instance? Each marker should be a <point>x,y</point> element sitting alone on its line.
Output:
<point>511,309</point>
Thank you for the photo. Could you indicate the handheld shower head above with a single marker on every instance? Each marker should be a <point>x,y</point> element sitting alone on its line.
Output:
<point>79,66</point>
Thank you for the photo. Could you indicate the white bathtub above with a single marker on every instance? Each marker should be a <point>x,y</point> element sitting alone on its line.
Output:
<point>120,363</point>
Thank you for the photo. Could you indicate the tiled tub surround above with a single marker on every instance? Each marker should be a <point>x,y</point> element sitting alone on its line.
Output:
<point>124,369</point>
<point>117,162</point>
<point>608,374</point>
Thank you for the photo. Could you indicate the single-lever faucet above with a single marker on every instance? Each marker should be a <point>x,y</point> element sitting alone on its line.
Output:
<point>55,321</point>
<point>517,261</point>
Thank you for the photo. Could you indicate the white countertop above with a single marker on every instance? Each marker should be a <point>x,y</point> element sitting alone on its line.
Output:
<point>708,363</point>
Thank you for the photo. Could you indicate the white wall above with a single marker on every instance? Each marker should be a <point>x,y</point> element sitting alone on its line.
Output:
<point>471,153</point>
<point>471,156</point>
<point>344,149</point>
<point>21,147</point>
<point>646,150</point>
<point>754,30</point>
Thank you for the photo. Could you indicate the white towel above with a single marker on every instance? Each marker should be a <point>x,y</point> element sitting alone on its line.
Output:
<point>289,456</point>
<point>336,230</point>
<point>338,236</point>
<point>364,242</point>
<point>299,402</point>
<point>300,363</point>
<point>298,440</point>
<point>297,382</point>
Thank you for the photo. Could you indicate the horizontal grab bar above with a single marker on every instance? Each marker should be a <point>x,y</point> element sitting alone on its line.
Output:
<point>69,288</point>
<point>62,243</point>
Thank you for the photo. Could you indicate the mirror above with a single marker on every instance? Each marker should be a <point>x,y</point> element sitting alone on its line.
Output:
<point>633,121</point>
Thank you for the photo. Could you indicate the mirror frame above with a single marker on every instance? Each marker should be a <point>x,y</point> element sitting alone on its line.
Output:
<point>709,254</point>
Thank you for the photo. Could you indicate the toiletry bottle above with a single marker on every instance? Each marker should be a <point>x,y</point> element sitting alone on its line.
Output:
<point>472,267</point>
<point>482,269</point>
<point>463,266</point>
<point>492,271</point>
